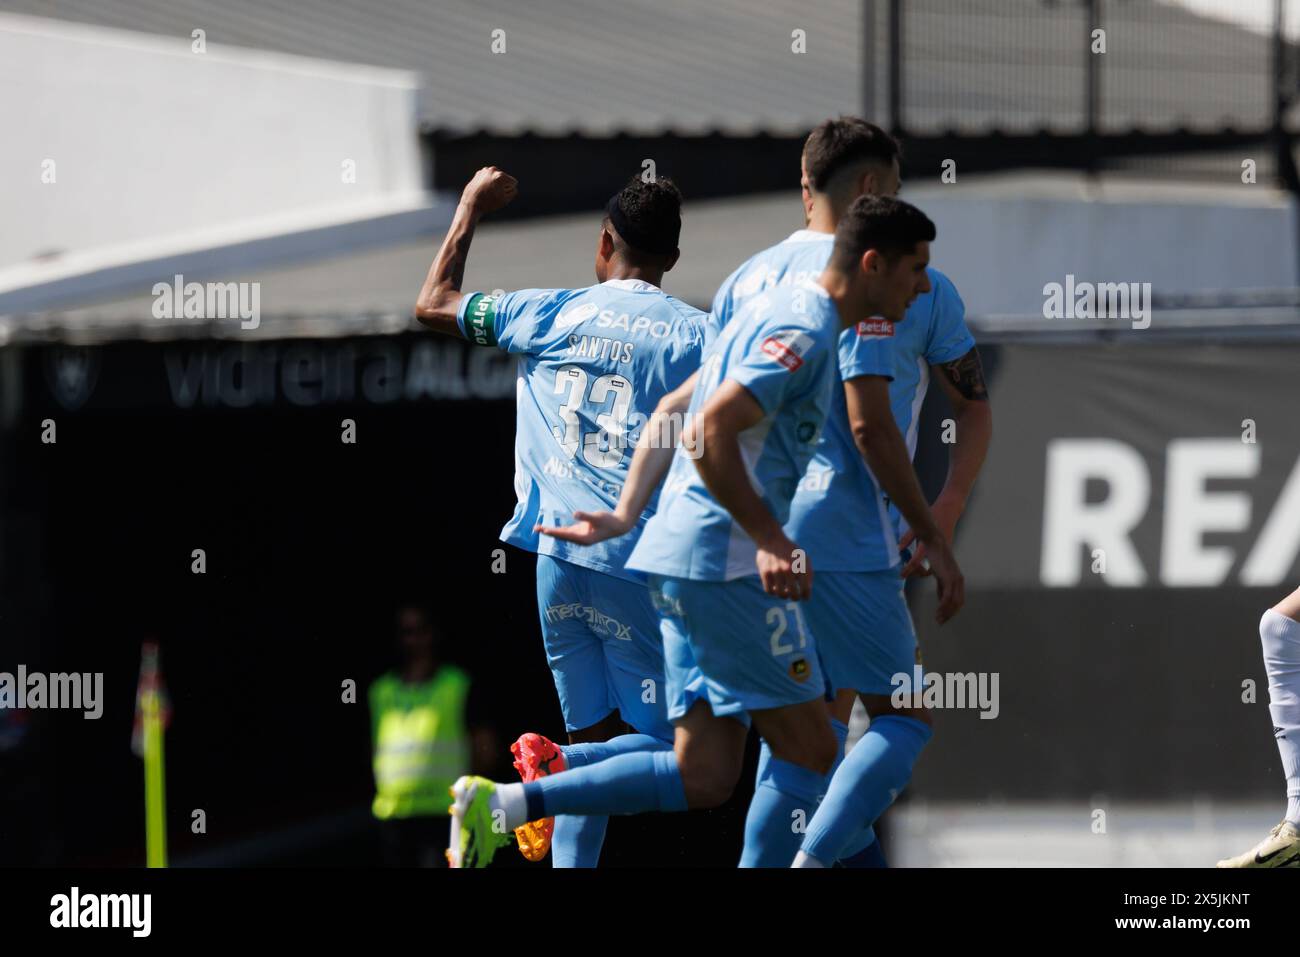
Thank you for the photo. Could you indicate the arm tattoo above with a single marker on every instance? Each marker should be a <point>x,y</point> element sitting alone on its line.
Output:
<point>967,376</point>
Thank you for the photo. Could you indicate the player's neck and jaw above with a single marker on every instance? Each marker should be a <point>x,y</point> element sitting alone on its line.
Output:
<point>851,298</point>
<point>864,179</point>
<point>611,263</point>
<point>823,218</point>
<point>619,269</point>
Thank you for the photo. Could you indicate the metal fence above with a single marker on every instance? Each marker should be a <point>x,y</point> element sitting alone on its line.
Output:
<point>1075,66</point>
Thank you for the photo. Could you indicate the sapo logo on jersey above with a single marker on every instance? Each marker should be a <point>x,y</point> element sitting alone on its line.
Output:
<point>609,319</point>
<point>876,328</point>
<point>753,281</point>
<point>568,318</point>
<point>787,348</point>
<point>761,278</point>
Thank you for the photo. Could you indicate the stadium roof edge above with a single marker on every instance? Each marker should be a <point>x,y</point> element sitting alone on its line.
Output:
<point>563,69</point>
<point>104,275</point>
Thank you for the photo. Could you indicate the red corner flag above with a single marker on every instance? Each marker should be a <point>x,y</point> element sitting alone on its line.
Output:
<point>151,683</point>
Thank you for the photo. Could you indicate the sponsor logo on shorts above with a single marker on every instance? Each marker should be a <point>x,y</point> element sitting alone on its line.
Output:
<point>875,329</point>
<point>596,619</point>
<point>799,670</point>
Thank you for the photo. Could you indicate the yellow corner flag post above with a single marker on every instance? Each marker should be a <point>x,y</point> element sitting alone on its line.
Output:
<point>155,788</point>
<point>152,715</point>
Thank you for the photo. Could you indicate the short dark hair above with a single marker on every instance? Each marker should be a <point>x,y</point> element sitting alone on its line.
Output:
<point>651,218</point>
<point>890,226</point>
<point>838,143</point>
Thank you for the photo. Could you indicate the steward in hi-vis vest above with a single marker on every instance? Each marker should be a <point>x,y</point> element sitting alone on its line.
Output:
<point>422,735</point>
<point>420,741</point>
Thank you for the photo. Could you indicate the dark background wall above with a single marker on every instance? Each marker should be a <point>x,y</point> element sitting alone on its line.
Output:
<point>1128,692</point>
<point>235,448</point>
<point>309,544</point>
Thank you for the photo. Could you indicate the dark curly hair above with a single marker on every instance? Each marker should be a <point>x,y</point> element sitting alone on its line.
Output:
<point>654,210</point>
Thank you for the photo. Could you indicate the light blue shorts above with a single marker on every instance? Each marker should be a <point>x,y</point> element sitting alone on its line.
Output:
<point>733,645</point>
<point>602,642</point>
<point>863,628</point>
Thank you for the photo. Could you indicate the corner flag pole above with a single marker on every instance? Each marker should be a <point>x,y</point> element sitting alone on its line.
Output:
<point>155,788</point>
<point>152,715</point>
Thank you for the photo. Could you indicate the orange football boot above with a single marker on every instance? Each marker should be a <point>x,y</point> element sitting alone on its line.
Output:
<point>535,757</point>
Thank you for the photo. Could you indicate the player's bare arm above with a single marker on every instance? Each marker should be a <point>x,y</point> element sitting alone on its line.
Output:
<point>439,299</point>
<point>877,437</point>
<point>730,411</point>
<point>962,380</point>
<point>650,461</point>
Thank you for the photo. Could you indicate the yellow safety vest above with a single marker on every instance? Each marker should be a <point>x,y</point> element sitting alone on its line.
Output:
<point>420,743</point>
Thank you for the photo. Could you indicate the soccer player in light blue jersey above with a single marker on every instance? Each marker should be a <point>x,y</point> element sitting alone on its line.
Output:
<point>848,516</point>
<point>727,579</point>
<point>863,470</point>
<point>593,363</point>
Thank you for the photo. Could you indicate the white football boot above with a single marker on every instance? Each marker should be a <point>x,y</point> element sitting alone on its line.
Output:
<point>1280,849</point>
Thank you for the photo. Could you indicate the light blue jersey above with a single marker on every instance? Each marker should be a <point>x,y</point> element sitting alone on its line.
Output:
<point>781,348</point>
<point>800,257</point>
<point>840,515</point>
<point>933,333</point>
<point>593,365</point>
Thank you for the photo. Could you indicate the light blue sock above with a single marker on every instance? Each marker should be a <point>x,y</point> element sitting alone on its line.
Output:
<point>856,854</point>
<point>868,837</point>
<point>625,784</point>
<point>858,845</point>
<point>873,774</point>
<point>589,752</point>
<point>785,798</point>
<point>871,856</point>
<point>578,839</point>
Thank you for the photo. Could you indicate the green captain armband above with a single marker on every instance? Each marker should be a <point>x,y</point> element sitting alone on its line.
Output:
<point>480,320</point>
